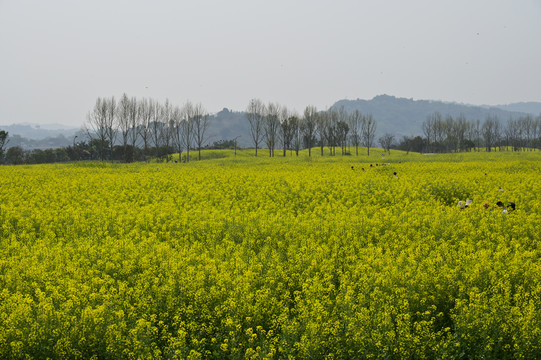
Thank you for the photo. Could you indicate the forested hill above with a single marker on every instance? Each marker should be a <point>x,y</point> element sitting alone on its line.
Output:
<point>533,108</point>
<point>229,125</point>
<point>401,116</point>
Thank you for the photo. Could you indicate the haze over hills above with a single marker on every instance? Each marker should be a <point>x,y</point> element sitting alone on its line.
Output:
<point>533,108</point>
<point>38,132</point>
<point>401,116</point>
<point>40,136</point>
<point>398,116</point>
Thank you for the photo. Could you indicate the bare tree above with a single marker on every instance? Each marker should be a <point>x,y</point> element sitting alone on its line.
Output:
<point>527,126</point>
<point>297,133</point>
<point>321,121</point>
<point>355,121</point>
<point>135,121</point>
<point>386,141</point>
<point>342,129</point>
<point>111,126</point>
<point>490,130</point>
<point>200,120</point>
<point>96,125</point>
<point>434,130</point>
<point>368,130</point>
<point>255,115</point>
<point>469,136</point>
<point>308,127</point>
<point>460,129</point>
<point>536,131</point>
<point>330,131</point>
<point>145,111</point>
<point>271,125</point>
<point>477,132</point>
<point>188,112</point>
<point>438,128</point>
<point>123,119</point>
<point>286,130</point>
<point>508,134</point>
<point>428,131</point>
<point>166,127</point>
<point>178,130</point>
<point>449,140</point>
<point>156,127</point>
<point>497,132</point>
<point>3,143</point>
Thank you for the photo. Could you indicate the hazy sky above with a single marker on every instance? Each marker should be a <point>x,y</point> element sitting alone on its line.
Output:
<point>57,57</point>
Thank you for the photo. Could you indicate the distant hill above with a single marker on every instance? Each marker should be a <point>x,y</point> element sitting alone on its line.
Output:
<point>228,125</point>
<point>400,116</point>
<point>533,108</point>
<point>40,132</point>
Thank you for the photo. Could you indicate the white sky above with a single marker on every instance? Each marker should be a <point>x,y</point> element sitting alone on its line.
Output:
<point>58,56</point>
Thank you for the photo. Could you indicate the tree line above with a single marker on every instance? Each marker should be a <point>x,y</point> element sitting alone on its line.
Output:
<point>276,127</point>
<point>459,134</point>
<point>159,129</point>
<point>142,128</point>
<point>146,128</point>
<point>131,129</point>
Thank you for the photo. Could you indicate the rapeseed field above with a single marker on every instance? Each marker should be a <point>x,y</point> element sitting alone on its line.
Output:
<point>296,257</point>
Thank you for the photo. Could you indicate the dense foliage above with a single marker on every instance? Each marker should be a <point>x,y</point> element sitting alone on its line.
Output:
<point>258,258</point>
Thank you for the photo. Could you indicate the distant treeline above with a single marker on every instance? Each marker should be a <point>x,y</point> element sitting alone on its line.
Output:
<point>132,129</point>
<point>16,155</point>
<point>458,134</point>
